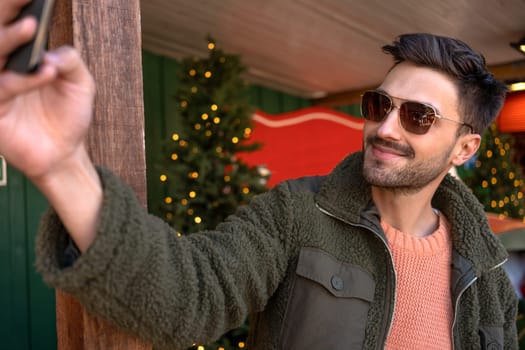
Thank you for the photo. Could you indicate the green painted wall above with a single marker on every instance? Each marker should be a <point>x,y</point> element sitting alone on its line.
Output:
<point>27,320</point>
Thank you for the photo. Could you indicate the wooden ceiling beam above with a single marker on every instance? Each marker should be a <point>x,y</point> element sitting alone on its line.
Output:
<point>508,72</point>
<point>342,98</point>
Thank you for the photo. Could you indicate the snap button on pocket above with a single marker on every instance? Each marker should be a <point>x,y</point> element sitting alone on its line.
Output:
<point>337,282</point>
<point>493,346</point>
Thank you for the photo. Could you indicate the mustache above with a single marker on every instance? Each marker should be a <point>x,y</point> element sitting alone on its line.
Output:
<point>376,140</point>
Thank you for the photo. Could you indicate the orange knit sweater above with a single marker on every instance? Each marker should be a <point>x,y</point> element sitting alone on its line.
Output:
<point>423,312</point>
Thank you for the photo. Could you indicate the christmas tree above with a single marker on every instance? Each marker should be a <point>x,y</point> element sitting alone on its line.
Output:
<point>204,178</point>
<point>495,177</point>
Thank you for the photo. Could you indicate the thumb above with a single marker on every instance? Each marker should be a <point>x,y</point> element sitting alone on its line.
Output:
<point>69,66</point>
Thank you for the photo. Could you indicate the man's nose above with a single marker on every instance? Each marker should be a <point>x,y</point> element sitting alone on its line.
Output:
<point>390,126</point>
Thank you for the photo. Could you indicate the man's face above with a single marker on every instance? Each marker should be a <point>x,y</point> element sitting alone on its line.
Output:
<point>399,160</point>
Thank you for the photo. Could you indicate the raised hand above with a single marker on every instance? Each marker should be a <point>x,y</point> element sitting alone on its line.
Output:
<point>44,118</point>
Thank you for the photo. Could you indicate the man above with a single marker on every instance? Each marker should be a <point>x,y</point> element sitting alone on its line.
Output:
<point>385,252</point>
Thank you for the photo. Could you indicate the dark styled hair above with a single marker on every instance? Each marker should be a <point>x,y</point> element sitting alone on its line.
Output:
<point>481,96</point>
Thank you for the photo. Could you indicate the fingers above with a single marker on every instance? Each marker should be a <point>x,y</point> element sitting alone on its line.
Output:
<point>10,9</point>
<point>69,66</point>
<point>63,65</point>
<point>15,35</point>
<point>13,84</point>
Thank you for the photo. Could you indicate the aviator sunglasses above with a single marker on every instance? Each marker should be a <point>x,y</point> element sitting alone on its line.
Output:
<point>415,117</point>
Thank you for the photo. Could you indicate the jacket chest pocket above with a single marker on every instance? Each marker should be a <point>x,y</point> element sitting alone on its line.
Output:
<point>491,338</point>
<point>328,306</point>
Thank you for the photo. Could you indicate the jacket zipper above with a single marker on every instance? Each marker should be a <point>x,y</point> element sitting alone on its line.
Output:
<point>471,282</point>
<point>388,327</point>
<point>456,306</point>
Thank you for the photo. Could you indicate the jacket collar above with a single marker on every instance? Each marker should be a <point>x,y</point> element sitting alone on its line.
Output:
<point>345,194</point>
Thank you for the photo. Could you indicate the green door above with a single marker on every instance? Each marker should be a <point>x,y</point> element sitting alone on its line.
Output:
<point>27,306</point>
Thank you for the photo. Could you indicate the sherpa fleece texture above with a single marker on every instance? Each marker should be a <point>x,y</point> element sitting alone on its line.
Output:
<point>173,291</point>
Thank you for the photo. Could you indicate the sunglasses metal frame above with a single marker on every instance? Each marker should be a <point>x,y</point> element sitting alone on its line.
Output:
<point>392,106</point>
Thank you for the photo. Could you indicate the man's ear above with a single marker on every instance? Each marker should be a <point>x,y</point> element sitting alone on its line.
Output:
<point>467,146</point>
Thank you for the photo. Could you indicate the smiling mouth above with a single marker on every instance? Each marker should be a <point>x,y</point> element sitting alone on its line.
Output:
<point>381,153</point>
<point>386,149</point>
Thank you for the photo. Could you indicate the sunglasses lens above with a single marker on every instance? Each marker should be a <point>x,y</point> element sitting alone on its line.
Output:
<point>375,106</point>
<point>416,118</point>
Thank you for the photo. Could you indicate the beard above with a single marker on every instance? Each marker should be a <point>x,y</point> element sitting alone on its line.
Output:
<point>408,178</point>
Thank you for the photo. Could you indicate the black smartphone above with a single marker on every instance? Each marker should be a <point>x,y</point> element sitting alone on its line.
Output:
<point>26,58</point>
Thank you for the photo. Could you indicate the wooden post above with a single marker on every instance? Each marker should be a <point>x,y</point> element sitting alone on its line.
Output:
<point>107,34</point>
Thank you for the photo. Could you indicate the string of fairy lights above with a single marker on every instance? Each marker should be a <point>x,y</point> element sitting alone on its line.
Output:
<point>208,124</point>
<point>503,148</point>
<point>192,194</point>
<point>210,133</point>
<point>500,178</point>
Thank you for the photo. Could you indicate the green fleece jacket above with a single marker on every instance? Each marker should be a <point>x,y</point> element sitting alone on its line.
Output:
<point>307,261</point>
